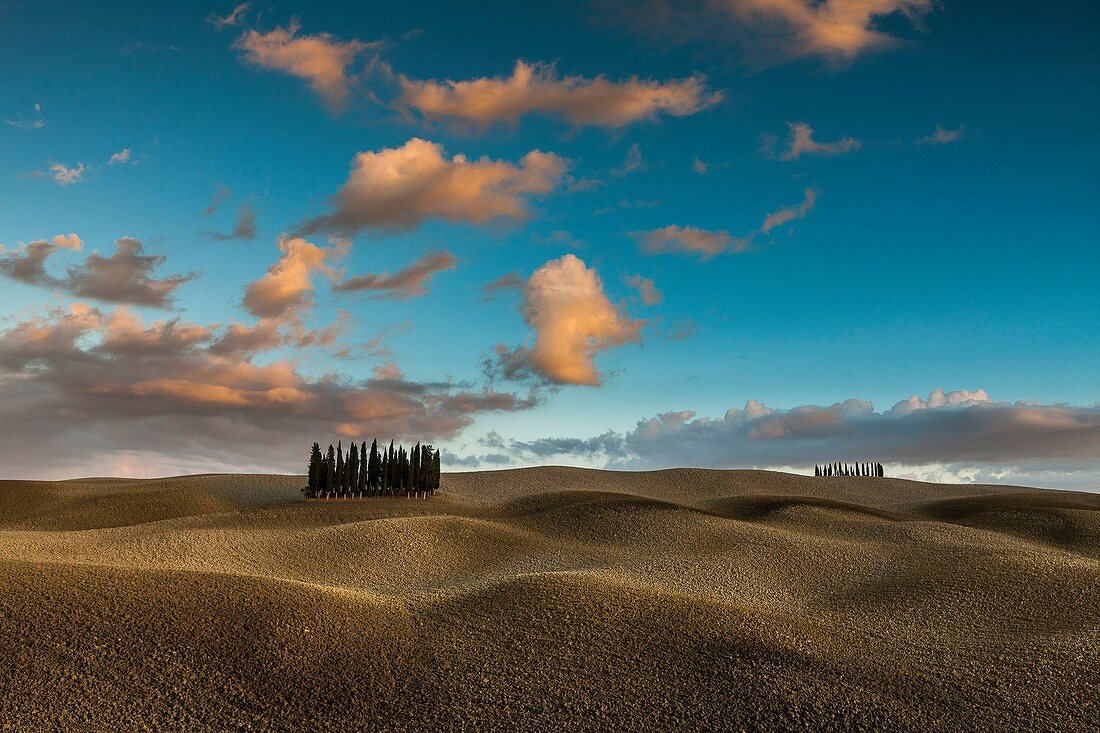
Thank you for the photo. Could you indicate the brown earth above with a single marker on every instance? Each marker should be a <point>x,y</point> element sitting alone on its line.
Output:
<point>549,599</point>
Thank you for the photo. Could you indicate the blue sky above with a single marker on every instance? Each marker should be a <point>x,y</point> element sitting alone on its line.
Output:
<point>908,261</point>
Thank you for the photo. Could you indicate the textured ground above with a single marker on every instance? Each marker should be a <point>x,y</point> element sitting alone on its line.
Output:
<point>549,599</point>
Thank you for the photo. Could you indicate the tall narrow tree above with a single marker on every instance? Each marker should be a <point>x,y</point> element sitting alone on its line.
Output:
<point>315,462</point>
<point>330,470</point>
<point>353,467</point>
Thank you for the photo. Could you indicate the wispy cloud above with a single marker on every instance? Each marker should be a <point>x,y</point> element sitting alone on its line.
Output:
<point>538,88</point>
<point>708,243</point>
<point>941,136</point>
<point>122,157</point>
<point>408,282</point>
<point>702,243</point>
<point>769,31</point>
<point>647,289</point>
<point>801,142</point>
<point>65,176</point>
<point>787,214</point>
<point>235,16</point>
<point>245,227</point>
<point>321,59</point>
<point>35,123</point>
<point>220,196</point>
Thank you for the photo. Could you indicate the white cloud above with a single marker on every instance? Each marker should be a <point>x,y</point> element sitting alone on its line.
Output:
<point>65,176</point>
<point>122,157</point>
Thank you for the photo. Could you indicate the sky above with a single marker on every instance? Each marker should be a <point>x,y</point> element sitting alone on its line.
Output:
<point>718,233</point>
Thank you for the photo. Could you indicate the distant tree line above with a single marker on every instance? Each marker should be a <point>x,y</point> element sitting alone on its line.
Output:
<point>362,472</point>
<point>849,469</point>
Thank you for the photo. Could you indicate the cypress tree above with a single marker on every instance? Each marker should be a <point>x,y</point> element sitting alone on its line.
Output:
<point>315,461</point>
<point>392,470</point>
<point>363,465</point>
<point>330,470</point>
<point>353,467</point>
<point>435,465</point>
<point>415,483</point>
<point>374,469</point>
<point>339,467</point>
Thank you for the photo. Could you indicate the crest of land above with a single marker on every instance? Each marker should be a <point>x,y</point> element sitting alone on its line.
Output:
<point>549,599</point>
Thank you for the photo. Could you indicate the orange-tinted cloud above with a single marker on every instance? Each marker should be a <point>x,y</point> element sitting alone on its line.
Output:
<point>768,31</point>
<point>288,285</point>
<point>790,213</point>
<point>703,243</point>
<point>538,88</point>
<point>398,188</point>
<point>802,142</point>
<point>836,29</point>
<point>565,303</point>
<point>322,60</point>
<point>165,388</point>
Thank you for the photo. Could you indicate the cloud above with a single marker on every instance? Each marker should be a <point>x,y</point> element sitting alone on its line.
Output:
<point>699,166</point>
<point>538,88</point>
<point>790,213</point>
<point>963,434</point>
<point>706,243</point>
<point>32,124</point>
<point>398,188</point>
<point>508,282</point>
<point>802,142</point>
<point>26,124</point>
<point>27,264</point>
<point>221,195</point>
<point>287,287</point>
<point>634,162</point>
<point>322,60</point>
<point>124,277</point>
<point>565,303</point>
<point>647,289</point>
<point>769,31</point>
<point>703,243</point>
<point>64,176</point>
<point>627,204</point>
<point>122,157</point>
<point>235,16</point>
<point>245,228</point>
<point>941,136</point>
<point>87,386</point>
<point>408,282</point>
<point>68,241</point>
